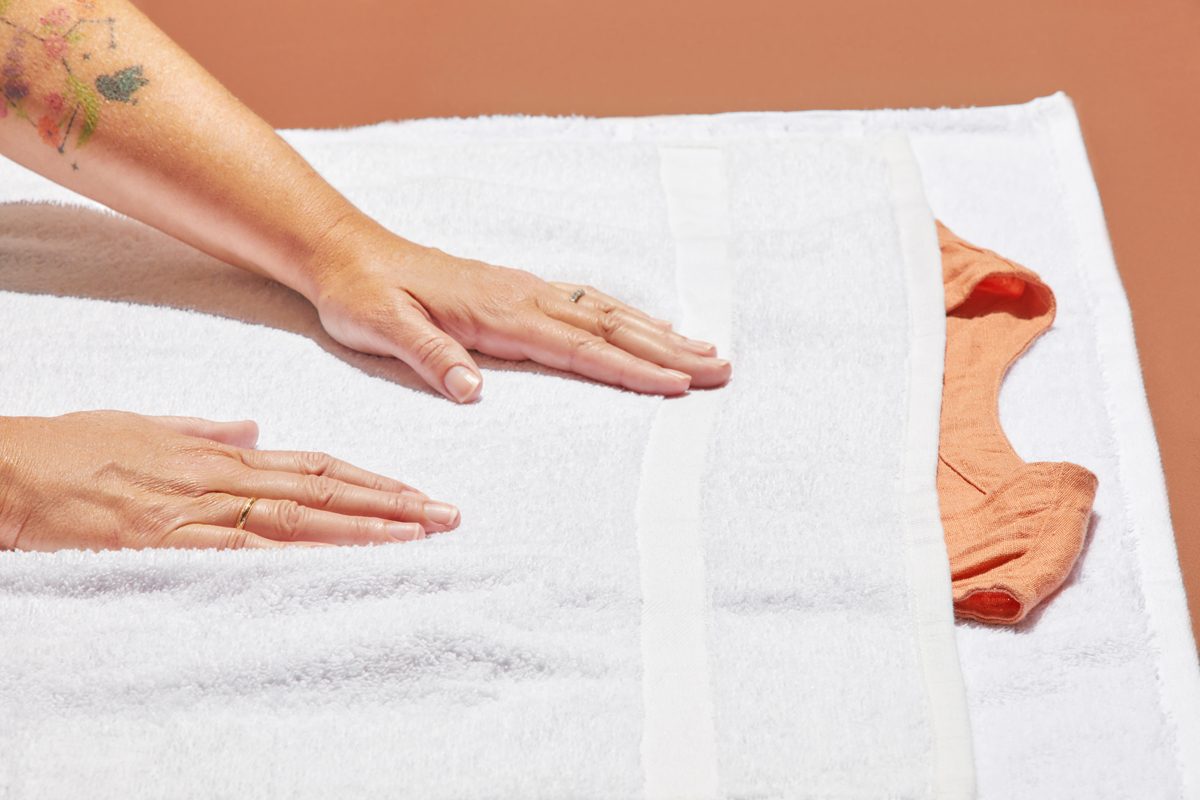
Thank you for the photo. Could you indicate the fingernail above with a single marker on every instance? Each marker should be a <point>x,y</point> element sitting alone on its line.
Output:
<point>461,383</point>
<point>406,531</point>
<point>697,346</point>
<point>720,362</point>
<point>441,513</point>
<point>678,374</point>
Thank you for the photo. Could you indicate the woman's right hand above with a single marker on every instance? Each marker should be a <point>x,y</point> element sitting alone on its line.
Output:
<point>112,480</point>
<point>379,293</point>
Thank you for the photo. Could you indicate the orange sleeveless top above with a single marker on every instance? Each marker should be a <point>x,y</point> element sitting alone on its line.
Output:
<point>1013,529</point>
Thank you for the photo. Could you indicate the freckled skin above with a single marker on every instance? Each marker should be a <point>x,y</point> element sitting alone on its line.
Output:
<point>161,129</point>
<point>110,107</point>
<point>95,97</point>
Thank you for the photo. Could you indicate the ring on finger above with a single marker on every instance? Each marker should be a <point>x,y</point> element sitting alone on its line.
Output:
<point>245,512</point>
<point>575,295</point>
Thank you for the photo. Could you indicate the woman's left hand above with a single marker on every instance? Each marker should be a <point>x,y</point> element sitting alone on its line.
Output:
<point>379,293</point>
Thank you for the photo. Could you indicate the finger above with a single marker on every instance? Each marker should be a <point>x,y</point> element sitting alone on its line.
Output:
<point>700,348</point>
<point>596,294</point>
<point>593,295</point>
<point>288,521</point>
<point>215,537</point>
<point>310,463</point>
<point>598,306</point>
<point>658,346</point>
<point>566,347</point>
<point>602,303</point>
<point>243,433</point>
<point>441,361</point>
<point>328,494</point>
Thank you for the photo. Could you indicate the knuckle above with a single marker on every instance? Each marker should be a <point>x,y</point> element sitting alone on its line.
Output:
<point>514,292</point>
<point>148,524</point>
<point>289,519</point>
<point>430,349</point>
<point>202,453</point>
<point>376,482</point>
<point>403,507</point>
<point>213,452</point>
<point>609,323</point>
<point>160,517</point>
<point>177,474</point>
<point>577,340</point>
<point>368,529</point>
<point>591,344</point>
<point>581,345</point>
<point>315,463</point>
<point>209,506</point>
<point>321,492</point>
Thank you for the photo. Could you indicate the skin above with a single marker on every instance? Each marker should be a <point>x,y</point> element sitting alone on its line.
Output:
<point>183,482</point>
<point>95,97</point>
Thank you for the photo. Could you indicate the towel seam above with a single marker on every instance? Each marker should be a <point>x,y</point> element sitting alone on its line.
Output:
<point>928,567</point>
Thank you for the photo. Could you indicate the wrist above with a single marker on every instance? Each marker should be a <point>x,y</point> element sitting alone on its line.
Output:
<point>342,249</point>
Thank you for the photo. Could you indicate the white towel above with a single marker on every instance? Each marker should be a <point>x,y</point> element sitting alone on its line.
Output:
<point>739,593</point>
<point>1094,696</point>
<point>1097,694</point>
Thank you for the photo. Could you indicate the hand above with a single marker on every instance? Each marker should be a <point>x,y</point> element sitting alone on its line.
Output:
<point>381,294</point>
<point>112,480</point>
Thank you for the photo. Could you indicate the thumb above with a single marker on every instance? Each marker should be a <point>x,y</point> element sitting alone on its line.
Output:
<point>441,361</point>
<point>243,433</point>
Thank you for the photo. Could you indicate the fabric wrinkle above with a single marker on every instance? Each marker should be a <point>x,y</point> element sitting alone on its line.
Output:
<point>1014,530</point>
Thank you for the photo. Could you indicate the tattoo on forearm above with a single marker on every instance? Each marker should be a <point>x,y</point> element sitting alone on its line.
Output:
<point>63,37</point>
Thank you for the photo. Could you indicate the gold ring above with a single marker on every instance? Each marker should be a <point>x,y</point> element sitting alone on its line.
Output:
<point>575,295</point>
<point>245,512</point>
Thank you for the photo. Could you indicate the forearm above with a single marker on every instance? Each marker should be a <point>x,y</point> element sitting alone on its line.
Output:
<point>98,99</point>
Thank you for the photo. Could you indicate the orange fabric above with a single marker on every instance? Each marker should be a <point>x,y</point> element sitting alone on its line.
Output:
<point>1013,530</point>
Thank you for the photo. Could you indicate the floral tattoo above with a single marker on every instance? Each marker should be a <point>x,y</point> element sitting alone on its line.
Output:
<point>59,40</point>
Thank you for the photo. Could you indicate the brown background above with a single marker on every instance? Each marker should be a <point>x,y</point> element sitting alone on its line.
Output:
<point>1133,69</point>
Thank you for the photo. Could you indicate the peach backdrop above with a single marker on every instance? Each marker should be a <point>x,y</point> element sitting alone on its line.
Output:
<point>1133,69</point>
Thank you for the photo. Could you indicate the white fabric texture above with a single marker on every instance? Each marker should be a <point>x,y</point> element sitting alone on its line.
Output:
<point>1096,694</point>
<point>808,621</point>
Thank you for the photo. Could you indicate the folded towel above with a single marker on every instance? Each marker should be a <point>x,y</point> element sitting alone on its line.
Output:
<point>742,592</point>
<point>1095,695</point>
<point>1098,693</point>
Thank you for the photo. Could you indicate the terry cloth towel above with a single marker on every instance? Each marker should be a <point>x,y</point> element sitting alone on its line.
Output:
<point>742,592</point>
<point>1097,693</point>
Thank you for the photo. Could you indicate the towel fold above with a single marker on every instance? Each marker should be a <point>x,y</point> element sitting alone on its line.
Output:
<point>1016,179</point>
<point>1013,179</point>
<point>739,592</point>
